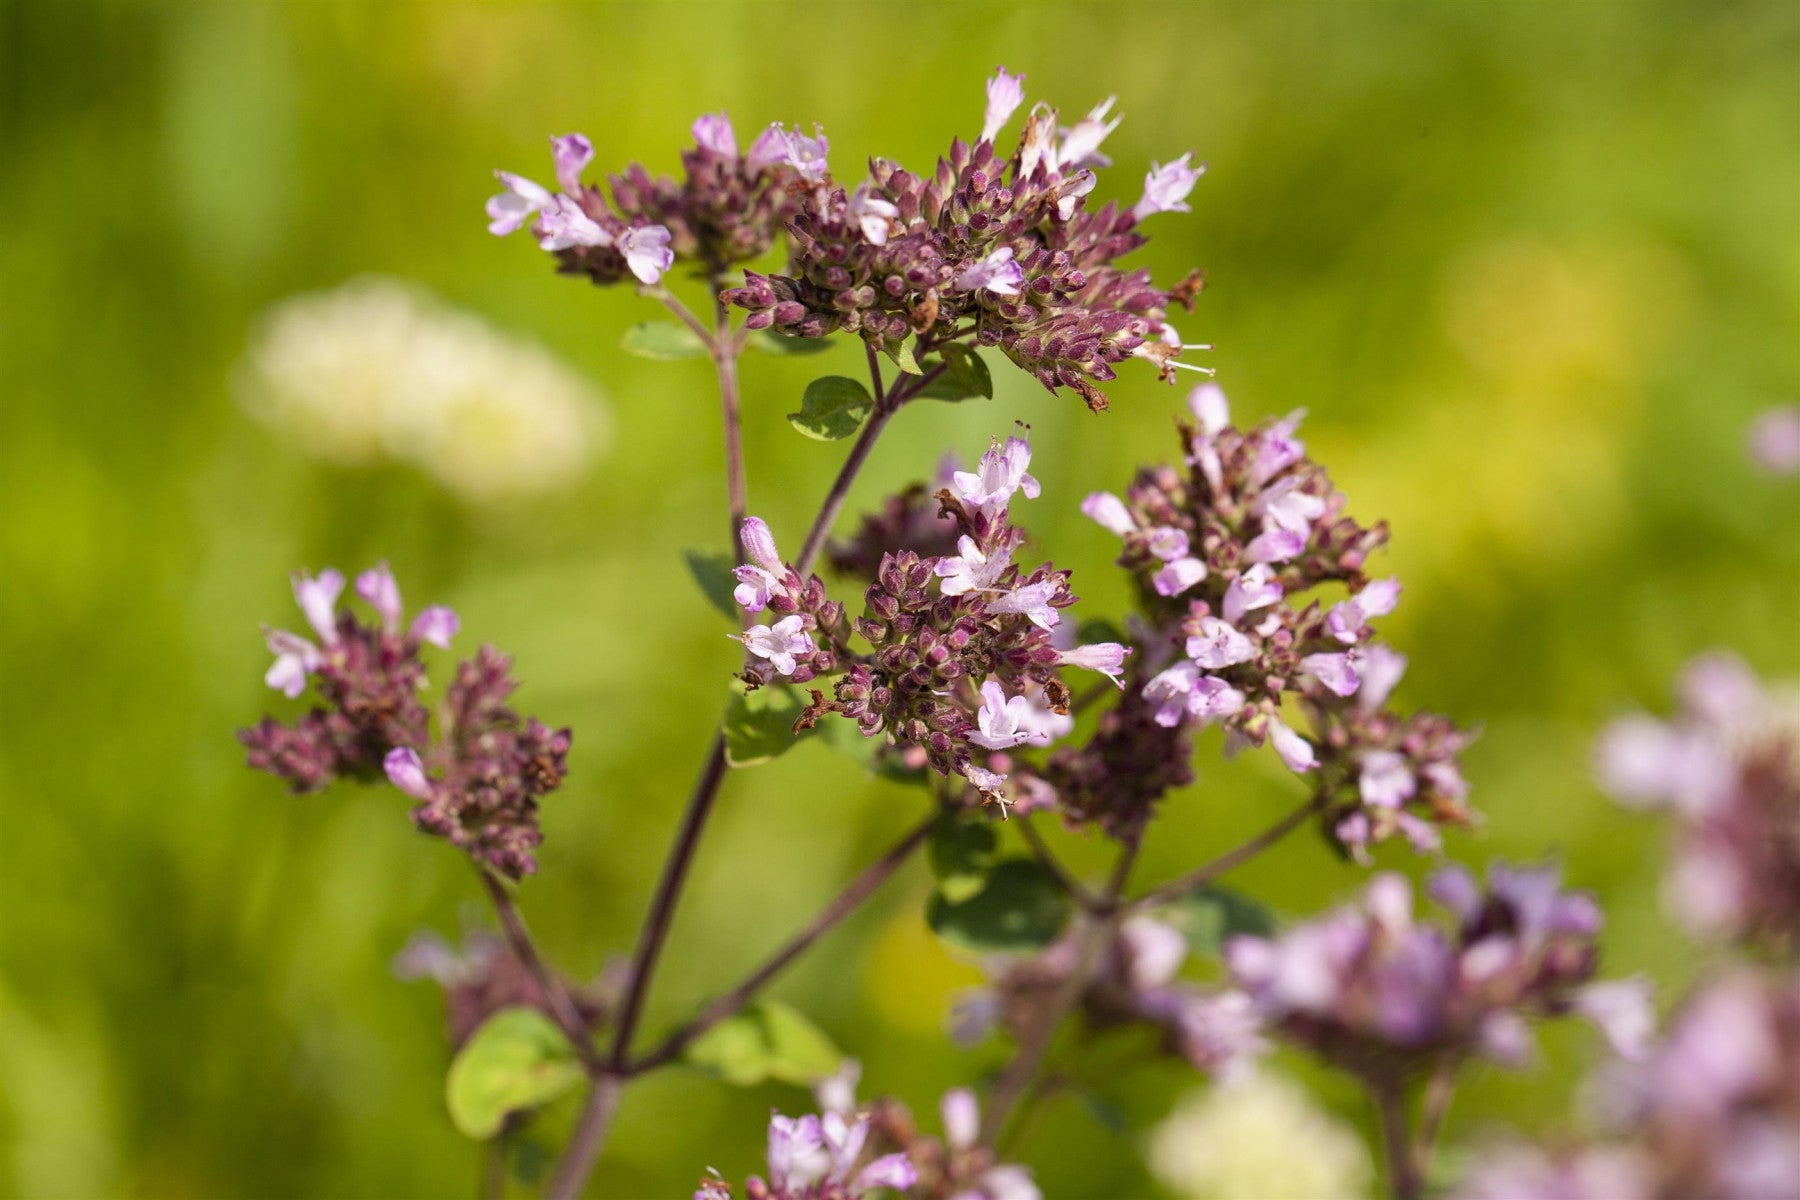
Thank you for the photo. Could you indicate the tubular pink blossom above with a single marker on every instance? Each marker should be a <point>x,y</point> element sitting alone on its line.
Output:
<point>379,590</point>
<point>406,772</point>
<point>507,211</point>
<point>1166,187</point>
<point>646,251</point>
<point>1294,750</point>
<point>997,273</point>
<point>1178,576</point>
<point>437,625</point>
<point>572,153</point>
<point>318,599</point>
<point>1108,658</point>
<point>713,132</point>
<point>1109,512</point>
<point>1004,95</point>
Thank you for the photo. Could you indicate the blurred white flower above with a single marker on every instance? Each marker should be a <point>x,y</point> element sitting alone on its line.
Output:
<point>382,369</point>
<point>1261,1136</point>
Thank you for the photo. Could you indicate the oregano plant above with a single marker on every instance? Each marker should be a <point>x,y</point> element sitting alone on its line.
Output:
<point>933,639</point>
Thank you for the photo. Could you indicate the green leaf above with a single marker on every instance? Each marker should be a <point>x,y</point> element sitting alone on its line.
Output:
<point>518,1059</point>
<point>770,342</point>
<point>832,408</point>
<point>711,569</point>
<point>1096,630</point>
<point>903,358</point>
<point>965,377</point>
<point>664,341</point>
<point>1209,915</point>
<point>1021,909</point>
<point>759,724</point>
<point>767,1040</point>
<point>962,851</point>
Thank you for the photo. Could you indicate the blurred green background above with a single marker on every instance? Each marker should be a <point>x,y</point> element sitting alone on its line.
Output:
<point>1533,269</point>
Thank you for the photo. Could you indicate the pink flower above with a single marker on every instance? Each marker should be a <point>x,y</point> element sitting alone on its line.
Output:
<point>1775,440</point>
<point>572,152</point>
<point>1382,668</point>
<point>379,590</point>
<point>1109,512</point>
<point>875,215</point>
<point>1183,691</point>
<point>507,211</point>
<point>713,132</point>
<point>1004,95</point>
<point>1208,404</point>
<point>564,225</point>
<point>1294,750</point>
<point>1254,589</point>
<point>1377,599</point>
<point>1154,952</point>
<point>997,273</point>
<point>406,772</point>
<point>781,643</point>
<point>1108,658</point>
<point>759,544</point>
<point>1285,506</point>
<point>806,155</point>
<point>1167,542</point>
<point>973,571</point>
<point>436,624</point>
<point>1621,1010</point>
<point>1166,187</point>
<point>1000,473</point>
<point>1275,545</point>
<point>318,600</point>
<point>1277,449</point>
<point>1178,576</point>
<point>1033,601</point>
<point>1386,781</point>
<point>295,659</point>
<point>1335,671</point>
<point>1081,143</point>
<point>1219,645</point>
<point>646,251</point>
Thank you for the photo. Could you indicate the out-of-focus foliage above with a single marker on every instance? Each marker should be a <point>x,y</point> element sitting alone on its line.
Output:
<point>1532,268</point>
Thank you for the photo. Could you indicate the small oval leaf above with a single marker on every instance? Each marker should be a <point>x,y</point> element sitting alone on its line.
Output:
<point>767,1040</point>
<point>962,852</point>
<point>663,341</point>
<point>518,1059</point>
<point>1022,908</point>
<point>832,407</point>
<point>759,724</point>
<point>711,569</point>
<point>1208,916</point>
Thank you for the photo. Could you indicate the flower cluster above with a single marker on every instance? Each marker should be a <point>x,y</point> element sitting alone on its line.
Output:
<point>1385,998</point>
<point>491,766</point>
<point>818,1158</point>
<point>381,369</point>
<point>965,670</point>
<point>1728,766</point>
<point>1133,982</point>
<point>1000,248</point>
<point>487,975</point>
<point>1224,552</point>
<point>835,1156</point>
<point>1712,1110</point>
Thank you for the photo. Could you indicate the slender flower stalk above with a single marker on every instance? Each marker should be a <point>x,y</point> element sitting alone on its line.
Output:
<point>845,903</point>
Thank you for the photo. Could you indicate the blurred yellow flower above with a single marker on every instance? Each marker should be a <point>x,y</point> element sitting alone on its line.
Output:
<point>1260,1136</point>
<point>380,368</point>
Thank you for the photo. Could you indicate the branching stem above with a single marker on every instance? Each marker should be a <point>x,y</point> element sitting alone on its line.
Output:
<point>1235,857</point>
<point>846,902</point>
